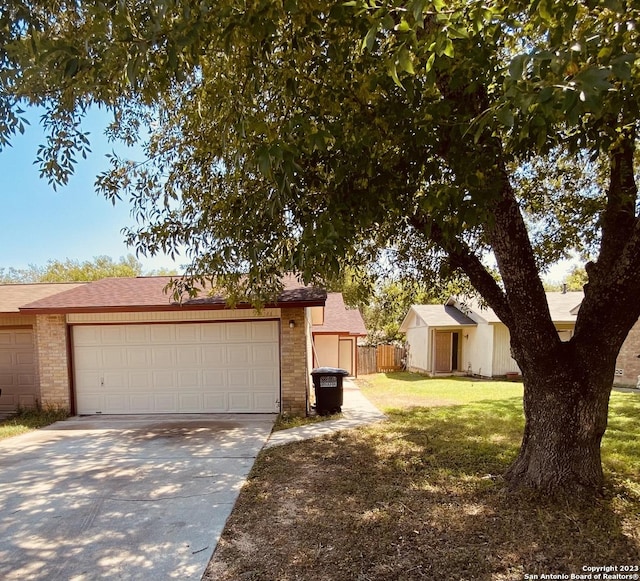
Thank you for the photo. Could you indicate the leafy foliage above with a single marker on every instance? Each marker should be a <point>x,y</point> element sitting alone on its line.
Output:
<point>74,271</point>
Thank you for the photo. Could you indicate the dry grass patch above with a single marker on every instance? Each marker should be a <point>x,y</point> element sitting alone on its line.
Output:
<point>420,497</point>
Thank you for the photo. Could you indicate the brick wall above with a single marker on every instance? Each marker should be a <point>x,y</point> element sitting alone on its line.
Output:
<point>52,360</point>
<point>628,359</point>
<point>293,354</point>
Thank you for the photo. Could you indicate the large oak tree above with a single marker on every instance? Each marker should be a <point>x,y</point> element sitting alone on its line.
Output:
<point>304,136</point>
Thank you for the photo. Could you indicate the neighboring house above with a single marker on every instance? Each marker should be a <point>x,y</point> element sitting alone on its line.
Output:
<point>335,334</point>
<point>123,346</point>
<point>463,337</point>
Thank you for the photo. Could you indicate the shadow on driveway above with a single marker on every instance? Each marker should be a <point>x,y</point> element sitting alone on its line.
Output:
<point>135,497</point>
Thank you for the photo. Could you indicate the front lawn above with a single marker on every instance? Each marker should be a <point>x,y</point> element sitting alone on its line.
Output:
<point>28,420</point>
<point>421,497</point>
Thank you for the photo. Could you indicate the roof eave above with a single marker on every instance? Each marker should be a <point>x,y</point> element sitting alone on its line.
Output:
<point>163,308</point>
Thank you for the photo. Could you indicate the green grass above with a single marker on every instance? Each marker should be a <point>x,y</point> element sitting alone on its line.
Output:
<point>27,420</point>
<point>404,390</point>
<point>421,496</point>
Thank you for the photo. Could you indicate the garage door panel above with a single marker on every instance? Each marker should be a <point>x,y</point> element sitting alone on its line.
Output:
<point>189,379</point>
<point>6,358</point>
<point>138,357</point>
<point>137,335</point>
<point>25,358</point>
<point>188,355</point>
<point>90,403</point>
<point>212,333</point>
<point>239,378</point>
<point>240,402</point>
<point>117,403</point>
<point>264,331</point>
<point>187,333</point>
<point>161,334</point>
<point>112,335</point>
<point>263,354</point>
<point>264,401</point>
<point>138,403</point>
<point>163,357</point>
<point>140,380</point>
<point>174,367</point>
<point>213,378</point>
<point>164,380</point>
<point>165,403</point>
<point>265,378</point>
<point>26,379</point>
<point>238,354</point>
<point>8,379</point>
<point>214,355</point>
<point>215,403</point>
<point>113,380</point>
<point>114,357</point>
<point>24,338</point>
<point>87,358</point>
<point>238,333</point>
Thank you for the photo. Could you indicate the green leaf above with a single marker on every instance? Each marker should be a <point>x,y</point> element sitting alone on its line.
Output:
<point>516,66</point>
<point>505,116</point>
<point>392,71</point>
<point>404,60</point>
<point>370,38</point>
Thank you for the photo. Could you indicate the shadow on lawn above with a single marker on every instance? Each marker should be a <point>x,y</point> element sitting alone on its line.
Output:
<point>418,497</point>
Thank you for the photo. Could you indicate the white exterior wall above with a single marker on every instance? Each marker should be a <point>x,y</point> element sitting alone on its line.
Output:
<point>477,349</point>
<point>503,363</point>
<point>326,350</point>
<point>418,356</point>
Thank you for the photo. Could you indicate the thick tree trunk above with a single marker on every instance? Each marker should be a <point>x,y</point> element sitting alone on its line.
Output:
<point>566,416</point>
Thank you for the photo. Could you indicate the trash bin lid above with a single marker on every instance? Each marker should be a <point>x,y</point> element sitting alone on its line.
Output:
<point>329,371</point>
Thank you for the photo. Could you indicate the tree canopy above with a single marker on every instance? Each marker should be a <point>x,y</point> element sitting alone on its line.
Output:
<point>301,136</point>
<point>70,270</point>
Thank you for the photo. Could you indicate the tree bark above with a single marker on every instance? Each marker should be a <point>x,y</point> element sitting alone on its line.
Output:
<point>566,409</point>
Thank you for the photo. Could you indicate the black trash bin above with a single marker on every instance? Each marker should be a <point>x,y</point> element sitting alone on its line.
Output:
<point>327,382</point>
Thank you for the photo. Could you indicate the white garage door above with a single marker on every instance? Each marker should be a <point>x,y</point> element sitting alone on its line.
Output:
<point>177,368</point>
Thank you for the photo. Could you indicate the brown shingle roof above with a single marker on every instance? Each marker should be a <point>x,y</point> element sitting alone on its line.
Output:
<point>148,293</point>
<point>13,296</point>
<point>339,319</point>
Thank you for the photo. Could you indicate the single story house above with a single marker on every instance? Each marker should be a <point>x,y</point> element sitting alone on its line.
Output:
<point>464,337</point>
<point>335,331</point>
<point>123,346</point>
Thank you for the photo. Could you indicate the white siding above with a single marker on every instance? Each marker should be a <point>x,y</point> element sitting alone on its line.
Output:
<point>503,363</point>
<point>477,349</point>
<point>418,351</point>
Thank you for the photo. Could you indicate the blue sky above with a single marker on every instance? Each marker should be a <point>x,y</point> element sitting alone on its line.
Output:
<point>74,222</point>
<point>40,224</point>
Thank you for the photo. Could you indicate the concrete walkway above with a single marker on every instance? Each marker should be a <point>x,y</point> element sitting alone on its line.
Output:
<point>357,410</point>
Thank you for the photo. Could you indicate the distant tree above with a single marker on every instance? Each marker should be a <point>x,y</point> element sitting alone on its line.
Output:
<point>386,309</point>
<point>73,270</point>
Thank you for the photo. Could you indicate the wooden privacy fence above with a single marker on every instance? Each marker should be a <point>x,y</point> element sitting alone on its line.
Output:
<point>380,359</point>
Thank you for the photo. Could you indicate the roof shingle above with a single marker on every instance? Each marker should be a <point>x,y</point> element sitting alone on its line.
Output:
<point>148,293</point>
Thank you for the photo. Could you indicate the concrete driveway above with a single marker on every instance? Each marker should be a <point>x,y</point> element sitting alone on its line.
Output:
<point>136,497</point>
